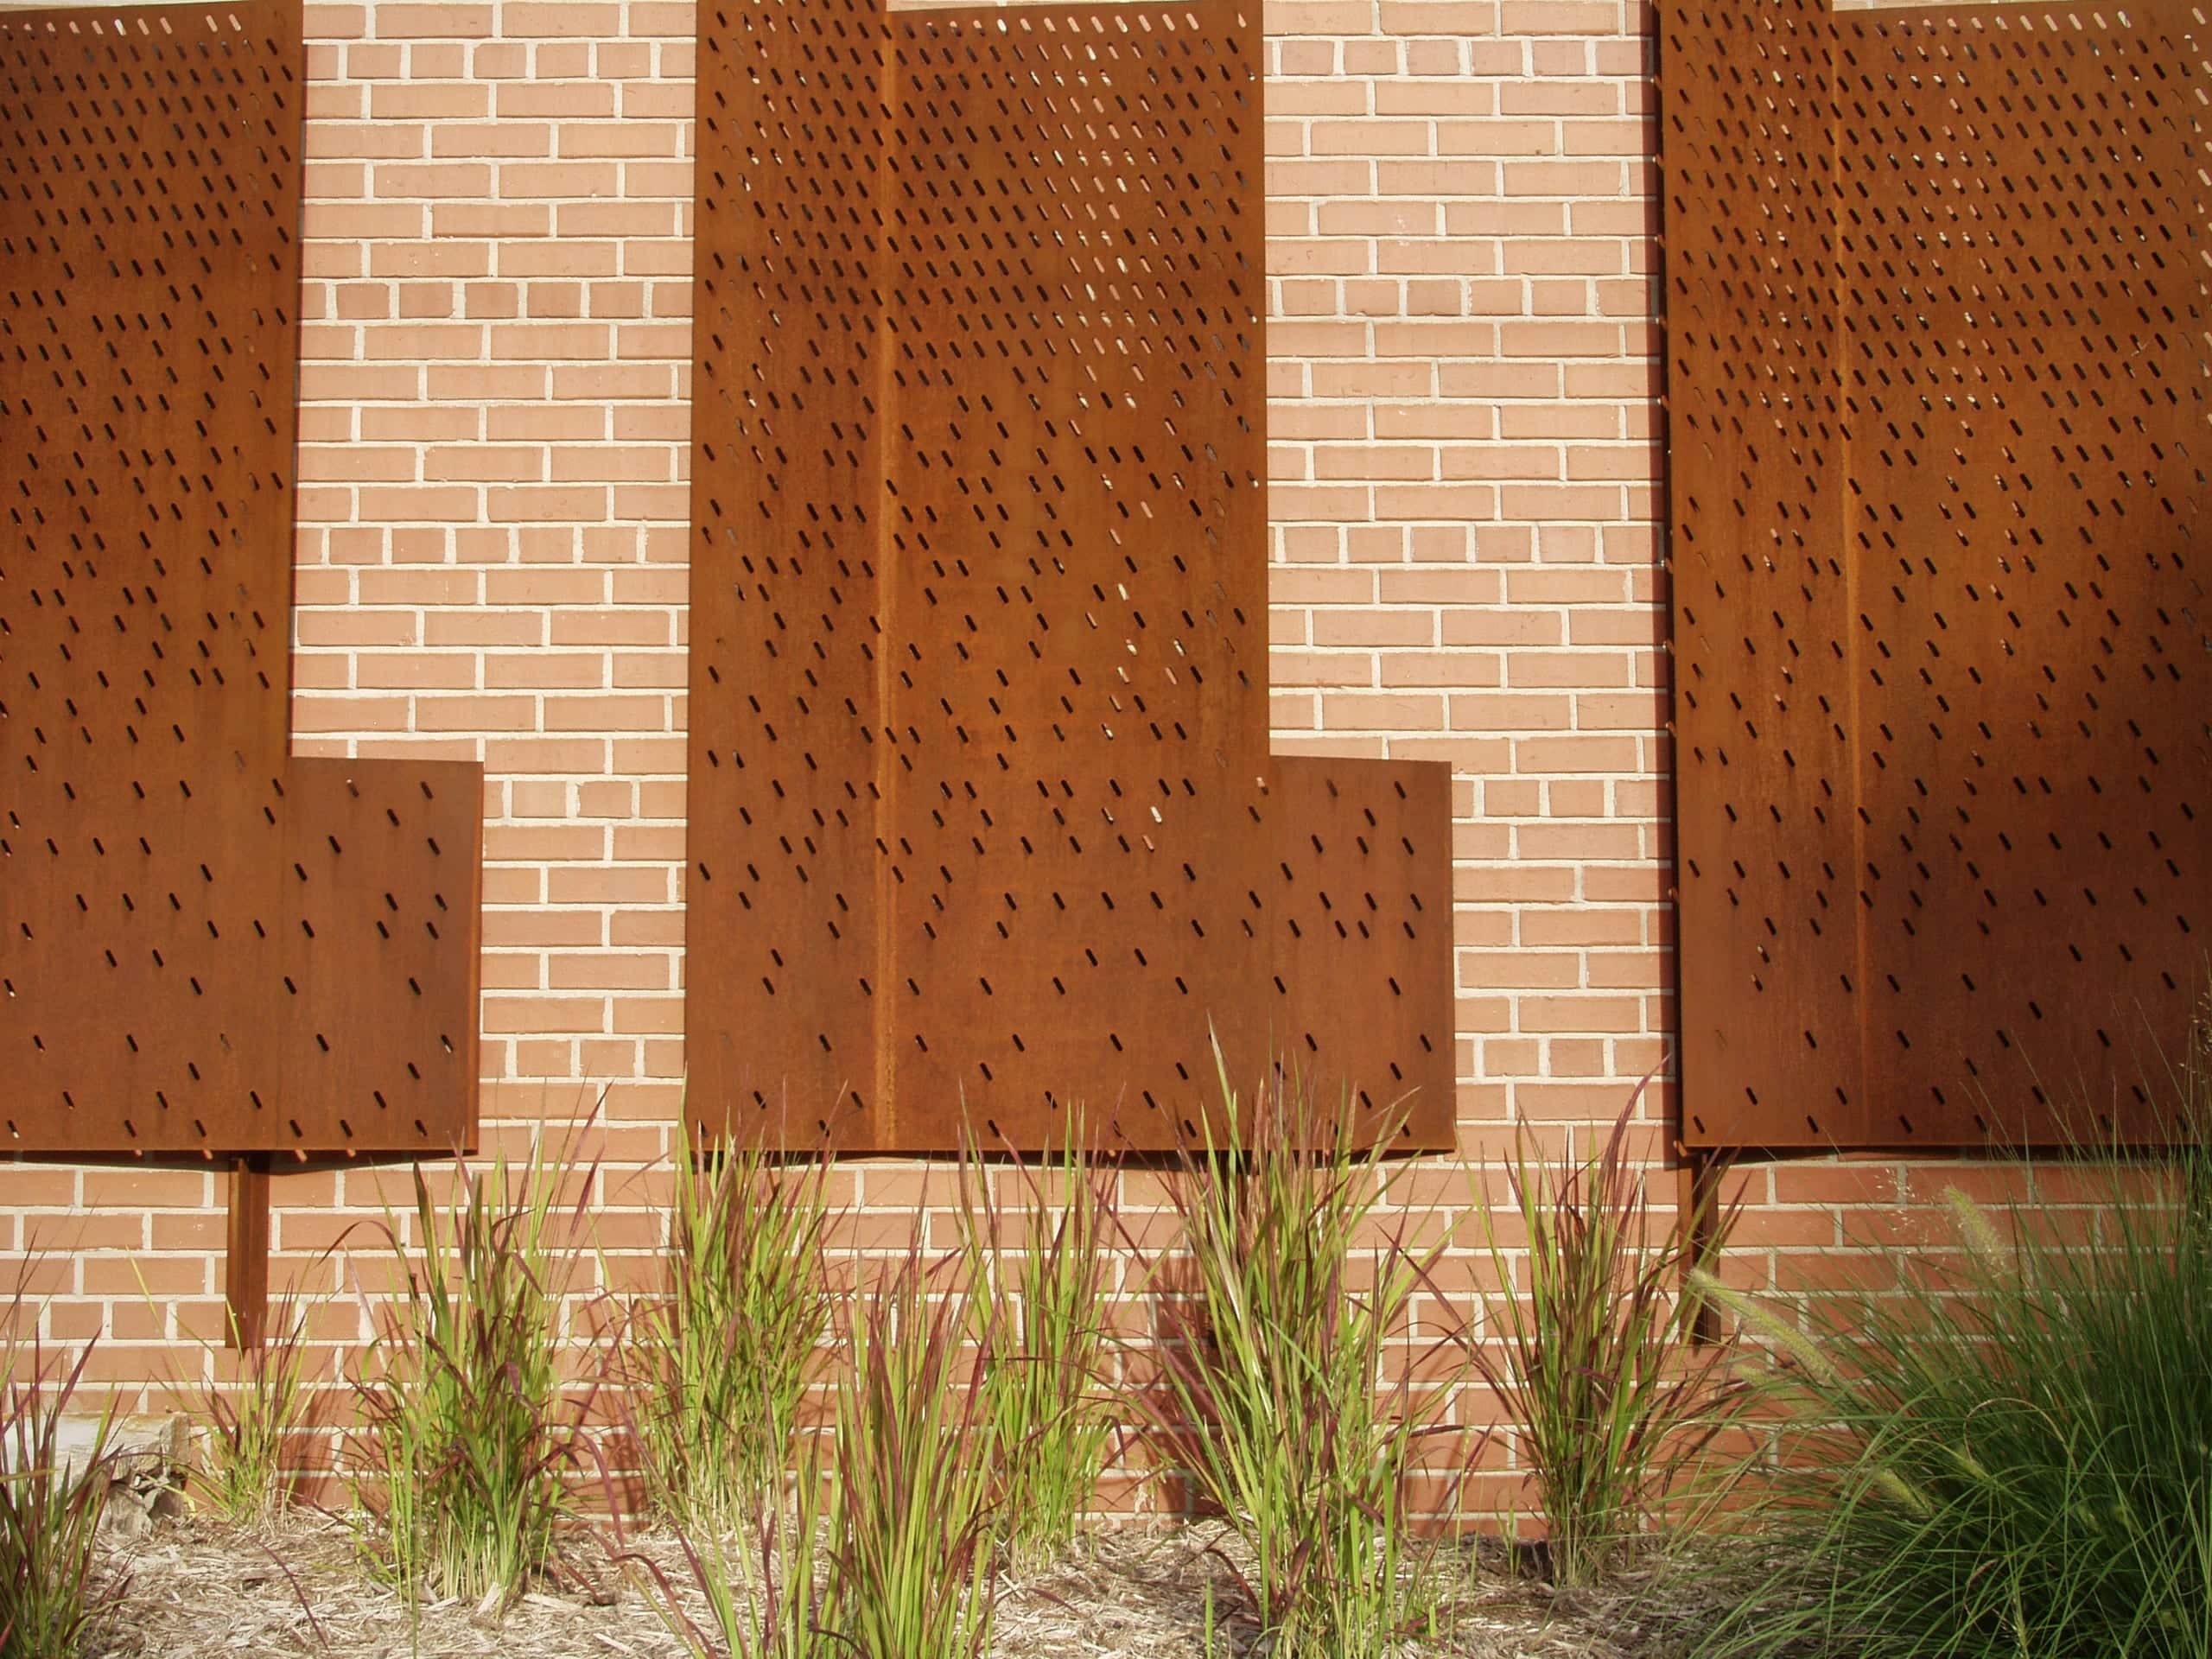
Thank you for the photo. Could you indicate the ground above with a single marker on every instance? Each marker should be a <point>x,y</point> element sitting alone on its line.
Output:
<point>193,1589</point>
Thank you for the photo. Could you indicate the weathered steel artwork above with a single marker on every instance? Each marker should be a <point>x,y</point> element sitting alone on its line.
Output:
<point>1943,639</point>
<point>984,820</point>
<point>210,947</point>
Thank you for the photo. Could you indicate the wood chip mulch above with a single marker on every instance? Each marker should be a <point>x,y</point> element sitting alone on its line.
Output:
<point>192,1588</point>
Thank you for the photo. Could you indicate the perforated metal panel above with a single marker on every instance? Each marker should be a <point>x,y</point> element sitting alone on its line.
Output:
<point>983,817</point>
<point>205,945</point>
<point>1943,640</point>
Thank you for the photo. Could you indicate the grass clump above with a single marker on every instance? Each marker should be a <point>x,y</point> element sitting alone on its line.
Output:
<point>259,1420</point>
<point>2012,1455</point>
<point>881,1540</point>
<point>1041,1276</point>
<point>1290,1285</point>
<point>716,1365</point>
<point>51,1502</point>
<point>1597,1366</point>
<point>912,1510</point>
<point>471,1444</point>
<point>761,1588</point>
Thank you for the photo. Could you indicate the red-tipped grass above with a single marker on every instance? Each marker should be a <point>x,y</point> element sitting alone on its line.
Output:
<point>1278,1393</point>
<point>759,1591</point>
<point>261,1417</point>
<point>715,1365</point>
<point>471,1443</point>
<point>51,1499</point>
<point>1595,1355</point>
<point>912,1509</point>
<point>1041,1275</point>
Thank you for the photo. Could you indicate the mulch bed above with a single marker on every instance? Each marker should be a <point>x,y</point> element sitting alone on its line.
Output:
<point>194,1589</point>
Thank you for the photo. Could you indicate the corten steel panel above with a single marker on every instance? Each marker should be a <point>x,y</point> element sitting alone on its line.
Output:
<point>985,821</point>
<point>1942,635</point>
<point>206,946</point>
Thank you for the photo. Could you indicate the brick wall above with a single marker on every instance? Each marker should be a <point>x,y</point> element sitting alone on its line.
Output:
<point>493,538</point>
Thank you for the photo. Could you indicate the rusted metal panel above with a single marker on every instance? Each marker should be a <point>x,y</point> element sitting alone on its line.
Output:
<point>1942,642</point>
<point>211,948</point>
<point>985,822</point>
